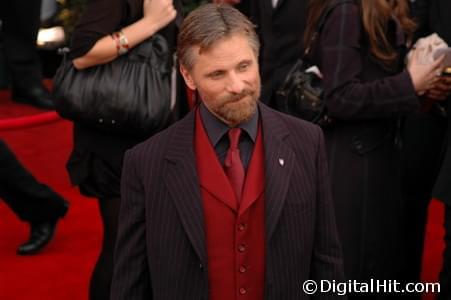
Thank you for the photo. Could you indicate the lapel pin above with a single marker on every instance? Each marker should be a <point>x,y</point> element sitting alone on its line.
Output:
<point>281,161</point>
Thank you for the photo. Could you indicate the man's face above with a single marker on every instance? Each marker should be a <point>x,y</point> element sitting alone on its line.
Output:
<point>227,79</point>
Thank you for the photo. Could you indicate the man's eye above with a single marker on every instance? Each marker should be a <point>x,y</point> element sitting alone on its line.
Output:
<point>243,67</point>
<point>216,75</point>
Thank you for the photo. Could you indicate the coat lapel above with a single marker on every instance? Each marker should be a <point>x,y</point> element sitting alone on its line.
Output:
<point>186,194</point>
<point>279,162</point>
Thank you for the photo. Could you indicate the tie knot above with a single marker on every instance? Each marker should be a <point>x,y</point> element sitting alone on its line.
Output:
<point>234,137</point>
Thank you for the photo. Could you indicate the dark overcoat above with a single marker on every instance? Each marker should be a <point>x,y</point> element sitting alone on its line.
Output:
<point>365,99</point>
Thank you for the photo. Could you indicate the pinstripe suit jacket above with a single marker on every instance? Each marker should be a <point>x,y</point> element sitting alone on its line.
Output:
<point>160,250</point>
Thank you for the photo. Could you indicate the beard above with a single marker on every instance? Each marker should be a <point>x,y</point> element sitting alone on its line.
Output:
<point>235,109</point>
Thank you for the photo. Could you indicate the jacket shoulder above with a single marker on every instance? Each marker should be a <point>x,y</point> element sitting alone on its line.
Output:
<point>303,136</point>
<point>298,126</point>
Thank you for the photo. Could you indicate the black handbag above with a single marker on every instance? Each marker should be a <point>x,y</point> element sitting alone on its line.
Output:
<point>301,94</point>
<point>130,94</point>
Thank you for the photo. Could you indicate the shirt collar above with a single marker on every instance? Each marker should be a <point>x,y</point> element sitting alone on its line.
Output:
<point>216,129</point>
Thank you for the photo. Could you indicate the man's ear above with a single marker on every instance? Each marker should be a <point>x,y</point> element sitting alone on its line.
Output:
<point>188,78</point>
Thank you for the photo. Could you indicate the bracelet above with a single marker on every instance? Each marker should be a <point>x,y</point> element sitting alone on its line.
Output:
<point>121,41</point>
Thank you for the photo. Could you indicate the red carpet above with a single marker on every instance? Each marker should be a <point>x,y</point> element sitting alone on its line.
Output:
<point>63,270</point>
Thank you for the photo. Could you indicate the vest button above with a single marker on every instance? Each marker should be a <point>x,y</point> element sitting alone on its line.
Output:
<point>242,291</point>
<point>242,269</point>
<point>242,248</point>
<point>241,226</point>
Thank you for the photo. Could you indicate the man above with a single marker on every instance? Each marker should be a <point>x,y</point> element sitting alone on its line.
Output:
<point>233,201</point>
<point>20,25</point>
<point>32,201</point>
<point>428,131</point>
<point>280,26</point>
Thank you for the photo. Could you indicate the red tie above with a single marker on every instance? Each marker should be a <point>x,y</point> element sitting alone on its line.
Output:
<point>233,166</point>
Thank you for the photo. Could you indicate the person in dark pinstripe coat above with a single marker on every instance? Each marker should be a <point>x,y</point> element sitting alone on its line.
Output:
<point>360,52</point>
<point>164,243</point>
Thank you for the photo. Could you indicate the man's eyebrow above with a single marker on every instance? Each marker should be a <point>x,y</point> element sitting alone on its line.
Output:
<point>247,61</point>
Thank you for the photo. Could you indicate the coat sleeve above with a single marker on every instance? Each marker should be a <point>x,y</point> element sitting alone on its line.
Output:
<point>327,259</point>
<point>341,60</point>
<point>131,276</point>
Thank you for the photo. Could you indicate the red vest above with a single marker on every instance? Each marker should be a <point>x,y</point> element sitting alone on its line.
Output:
<point>235,235</point>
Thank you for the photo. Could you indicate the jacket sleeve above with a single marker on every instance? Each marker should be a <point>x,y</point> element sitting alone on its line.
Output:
<point>341,60</point>
<point>327,261</point>
<point>131,276</point>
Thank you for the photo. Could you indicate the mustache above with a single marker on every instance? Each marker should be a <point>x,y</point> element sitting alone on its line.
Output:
<point>236,97</point>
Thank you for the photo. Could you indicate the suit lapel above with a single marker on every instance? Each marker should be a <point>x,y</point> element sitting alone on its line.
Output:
<point>279,162</point>
<point>186,194</point>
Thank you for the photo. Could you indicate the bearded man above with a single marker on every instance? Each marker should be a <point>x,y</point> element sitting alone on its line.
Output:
<point>233,201</point>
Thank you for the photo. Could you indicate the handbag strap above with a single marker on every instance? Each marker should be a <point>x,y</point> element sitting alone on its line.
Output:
<point>320,24</point>
<point>156,44</point>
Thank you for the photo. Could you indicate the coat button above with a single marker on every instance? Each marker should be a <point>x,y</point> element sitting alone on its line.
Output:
<point>242,291</point>
<point>242,269</point>
<point>242,248</point>
<point>201,266</point>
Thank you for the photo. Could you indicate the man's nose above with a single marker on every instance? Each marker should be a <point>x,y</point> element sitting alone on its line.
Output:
<point>235,84</point>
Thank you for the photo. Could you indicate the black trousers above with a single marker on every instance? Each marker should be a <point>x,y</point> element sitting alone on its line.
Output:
<point>29,199</point>
<point>20,25</point>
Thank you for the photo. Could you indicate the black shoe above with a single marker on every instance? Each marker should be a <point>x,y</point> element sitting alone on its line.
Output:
<point>41,234</point>
<point>37,96</point>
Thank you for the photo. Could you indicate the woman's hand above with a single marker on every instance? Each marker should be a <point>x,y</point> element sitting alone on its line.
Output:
<point>159,12</point>
<point>441,90</point>
<point>424,76</point>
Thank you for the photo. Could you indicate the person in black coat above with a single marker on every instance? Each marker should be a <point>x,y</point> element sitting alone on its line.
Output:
<point>104,32</point>
<point>31,201</point>
<point>429,134</point>
<point>20,25</point>
<point>366,90</point>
